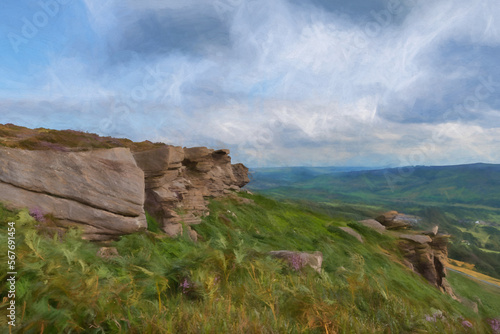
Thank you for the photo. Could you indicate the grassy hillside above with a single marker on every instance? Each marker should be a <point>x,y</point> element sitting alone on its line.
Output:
<point>266,178</point>
<point>453,197</point>
<point>468,186</point>
<point>227,283</point>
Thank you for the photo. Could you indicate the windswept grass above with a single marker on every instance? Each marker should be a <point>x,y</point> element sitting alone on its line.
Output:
<point>226,283</point>
<point>485,295</point>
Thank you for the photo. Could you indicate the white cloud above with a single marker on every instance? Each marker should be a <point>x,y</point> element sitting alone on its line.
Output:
<point>290,85</point>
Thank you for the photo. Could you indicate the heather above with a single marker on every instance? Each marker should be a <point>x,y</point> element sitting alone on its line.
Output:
<point>14,136</point>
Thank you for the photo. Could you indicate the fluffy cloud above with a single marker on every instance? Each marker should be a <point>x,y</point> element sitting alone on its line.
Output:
<point>281,82</point>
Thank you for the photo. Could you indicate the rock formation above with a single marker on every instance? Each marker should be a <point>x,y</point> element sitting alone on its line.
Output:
<point>355,234</point>
<point>373,224</point>
<point>104,184</point>
<point>297,260</point>
<point>100,191</point>
<point>393,220</point>
<point>178,182</point>
<point>428,257</point>
<point>426,253</point>
<point>432,232</point>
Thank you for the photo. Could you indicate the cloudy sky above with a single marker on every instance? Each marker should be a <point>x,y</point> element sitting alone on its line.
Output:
<point>279,82</point>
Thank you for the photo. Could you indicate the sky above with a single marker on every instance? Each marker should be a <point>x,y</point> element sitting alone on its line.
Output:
<point>379,83</point>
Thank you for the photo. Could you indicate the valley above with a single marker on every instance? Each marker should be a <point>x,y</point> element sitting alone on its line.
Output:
<point>453,197</point>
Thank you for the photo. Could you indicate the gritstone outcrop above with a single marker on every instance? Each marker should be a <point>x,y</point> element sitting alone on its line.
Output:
<point>104,185</point>
<point>428,256</point>
<point>101,191</point>
<point>179,181</point>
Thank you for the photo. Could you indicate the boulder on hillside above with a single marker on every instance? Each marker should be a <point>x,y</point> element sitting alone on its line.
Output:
<point>101,191</point>
<point>350,231</point>
<point>298,260</point>
<point>432,232</point>
<point>469,304</point>
<point>393,220</point>
<point>421,239</point>
<point>428,257</point>
<point>373,224</point>
<point>107,252</point>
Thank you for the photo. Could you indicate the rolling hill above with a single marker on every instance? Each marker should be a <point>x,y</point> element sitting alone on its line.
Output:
<point>464,200</point>
<point>467,185</point>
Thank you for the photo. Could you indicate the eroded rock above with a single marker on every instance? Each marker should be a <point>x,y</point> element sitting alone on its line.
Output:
<point>394,220</point>
<point>421,239</point>
<point>105,190</point>
<point>100,191</point>
<point>350,231</point>
<point>428,257</point>
<point>180,180</point>
<point>432,232</point>
<point>373,224</point>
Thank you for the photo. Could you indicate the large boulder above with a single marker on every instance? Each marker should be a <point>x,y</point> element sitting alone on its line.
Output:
<point>240,173</point>
<point>298,260</point>
<point>394,220</point>
<point>350,231</point>
<point>101,191</point>
<point>421,239</point>
<point>373,224</point>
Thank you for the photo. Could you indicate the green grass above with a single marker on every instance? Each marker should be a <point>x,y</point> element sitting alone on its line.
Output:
<point>453,197</point>
<point>153,225</point>
<point>226,283</point>
<point>489,251</point>
<point>485,295</point>
<point>467,187</point>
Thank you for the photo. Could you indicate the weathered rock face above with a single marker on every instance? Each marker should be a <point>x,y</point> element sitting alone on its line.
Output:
<point>178,182</point>
<point>101,191</point>
<point>97,183</point>
<point>240,173</point>
<point>420,239</point>
<point>428,257</point>
<point>394,220</point>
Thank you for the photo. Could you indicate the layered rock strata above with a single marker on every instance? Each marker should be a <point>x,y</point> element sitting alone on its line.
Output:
<point>101,191</point>
<point>104,185</point>
<point>373,224</point>
<point>394,220</point>
<point>428,256</point>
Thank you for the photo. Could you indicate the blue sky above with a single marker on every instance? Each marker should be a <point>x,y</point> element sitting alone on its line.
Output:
<point>280,83</point>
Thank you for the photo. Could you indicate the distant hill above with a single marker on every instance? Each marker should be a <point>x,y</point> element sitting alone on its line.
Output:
<point>266,178</point>
<point>453,197</point>
<point>474,184</point>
